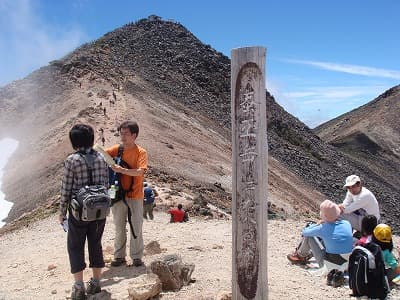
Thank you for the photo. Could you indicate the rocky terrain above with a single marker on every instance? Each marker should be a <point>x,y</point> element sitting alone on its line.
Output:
<point>370,135</point>
<point>178,89</point>
<point>38,270</point>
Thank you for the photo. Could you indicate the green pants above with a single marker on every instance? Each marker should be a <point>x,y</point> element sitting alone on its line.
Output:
<point>148,209</point>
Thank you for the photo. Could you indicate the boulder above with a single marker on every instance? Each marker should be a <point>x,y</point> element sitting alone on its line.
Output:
<point>172,272</point>
<point>144,287</point>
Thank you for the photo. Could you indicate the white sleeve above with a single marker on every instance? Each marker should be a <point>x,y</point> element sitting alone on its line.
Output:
<point>361,202</point>
<point>347,200</point>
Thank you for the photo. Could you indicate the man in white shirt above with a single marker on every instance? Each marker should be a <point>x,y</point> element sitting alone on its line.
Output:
<point>358,203</point>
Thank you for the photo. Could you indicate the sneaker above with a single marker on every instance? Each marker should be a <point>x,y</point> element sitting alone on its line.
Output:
<point>338,279</point>
<point>137,262</point>
<point>329,277</point>
<point>118,262</point>
<point>295,258</point>
<point>78,293</point>
<point>92,287</point>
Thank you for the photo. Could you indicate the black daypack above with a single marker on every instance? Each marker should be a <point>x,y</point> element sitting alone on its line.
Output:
<point>115,178</point>
<point>367,275</point>
<point>92,201</point>
<point>121,192</point>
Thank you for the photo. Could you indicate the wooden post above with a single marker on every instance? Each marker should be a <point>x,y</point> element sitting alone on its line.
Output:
<point>249,174</point>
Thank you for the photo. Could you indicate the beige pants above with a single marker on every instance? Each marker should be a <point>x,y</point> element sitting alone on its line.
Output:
<point>120,215</point>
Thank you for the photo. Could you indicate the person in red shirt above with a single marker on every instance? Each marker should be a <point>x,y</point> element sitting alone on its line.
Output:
<point>178,215</point>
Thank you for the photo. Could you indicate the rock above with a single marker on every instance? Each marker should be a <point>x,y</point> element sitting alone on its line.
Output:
<point>152,248</point>
<point>51,267</point>
<point>103,295</point>
<point>144,287</point>
<point>172,272</point>
<point>224,295</point>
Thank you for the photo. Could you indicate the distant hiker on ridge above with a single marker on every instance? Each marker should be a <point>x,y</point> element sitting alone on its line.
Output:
<point>358,203</point>
<point>131,182</point>
<point>101,136</point>
<point>75,177</point>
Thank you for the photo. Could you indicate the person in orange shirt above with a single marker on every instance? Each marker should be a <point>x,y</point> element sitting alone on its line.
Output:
<point>131,177</point>
<point>178,215</point>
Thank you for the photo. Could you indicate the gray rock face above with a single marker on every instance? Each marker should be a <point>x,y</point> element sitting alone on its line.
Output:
<point>172,272</point>
<point>144,287</point>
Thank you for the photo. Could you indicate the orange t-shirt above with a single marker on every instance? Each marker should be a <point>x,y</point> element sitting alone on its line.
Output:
<point>136,158</point>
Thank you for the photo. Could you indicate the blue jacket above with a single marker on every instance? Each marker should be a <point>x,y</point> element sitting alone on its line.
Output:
<point>337,236</point>
<point>148,195</point>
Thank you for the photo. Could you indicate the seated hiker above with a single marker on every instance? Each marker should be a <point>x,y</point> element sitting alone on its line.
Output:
<point>325,240</point>
<point>382,235</point>
<point>359,202</point>
<point>178,214</point>
<point>148,201</point>
<point>368,225</point>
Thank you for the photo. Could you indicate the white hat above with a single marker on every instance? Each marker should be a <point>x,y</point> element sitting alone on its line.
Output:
<point>351,180</point>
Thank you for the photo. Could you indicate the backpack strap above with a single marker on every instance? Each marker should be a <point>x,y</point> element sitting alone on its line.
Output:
<point>120,152</point>
<point>89,160</point>
<point>118,161</point>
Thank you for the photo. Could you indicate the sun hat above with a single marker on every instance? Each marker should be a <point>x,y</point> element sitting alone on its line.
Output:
<point>383,233</point>
<point>329,211</point>
<point>351,180</point>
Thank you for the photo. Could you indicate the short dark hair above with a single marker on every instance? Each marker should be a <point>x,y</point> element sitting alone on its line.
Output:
<point>81,136</point>
<point>179,206</point>
<point>131,125</point>
<point>368,224</point>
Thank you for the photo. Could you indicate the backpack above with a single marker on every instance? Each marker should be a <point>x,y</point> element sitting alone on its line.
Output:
<point>92,202</point>
<point>149,195</point>
<point>367,274</point>
<point>115,178</point>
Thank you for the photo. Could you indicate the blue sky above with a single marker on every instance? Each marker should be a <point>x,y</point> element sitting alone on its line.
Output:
<point>324,58</point>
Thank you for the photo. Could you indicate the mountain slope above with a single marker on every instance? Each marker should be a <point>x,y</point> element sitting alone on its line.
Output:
<point>179,91</point>
<point>370,135</point>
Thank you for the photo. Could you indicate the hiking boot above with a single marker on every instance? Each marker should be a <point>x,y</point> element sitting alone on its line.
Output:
<point>338,279</point>
<point>93,287</point>
<point>329,277</point>
<point>78,293</point>
<point>118,262</point>
<point>137,262</point>
<point>295,258</point>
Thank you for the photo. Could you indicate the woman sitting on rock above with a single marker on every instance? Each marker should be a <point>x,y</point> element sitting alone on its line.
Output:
<point>325,240</point>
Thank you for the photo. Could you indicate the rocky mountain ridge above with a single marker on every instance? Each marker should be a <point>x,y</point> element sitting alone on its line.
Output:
<point>179,91</point>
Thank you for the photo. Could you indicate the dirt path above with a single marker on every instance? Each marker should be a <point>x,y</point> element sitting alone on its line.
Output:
<point>27,254</point>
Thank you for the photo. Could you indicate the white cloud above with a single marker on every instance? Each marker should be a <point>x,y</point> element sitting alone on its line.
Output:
<point>350,69</point>
<point>28,42</point>
<point>335,93</point>
<point>317,104</point>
